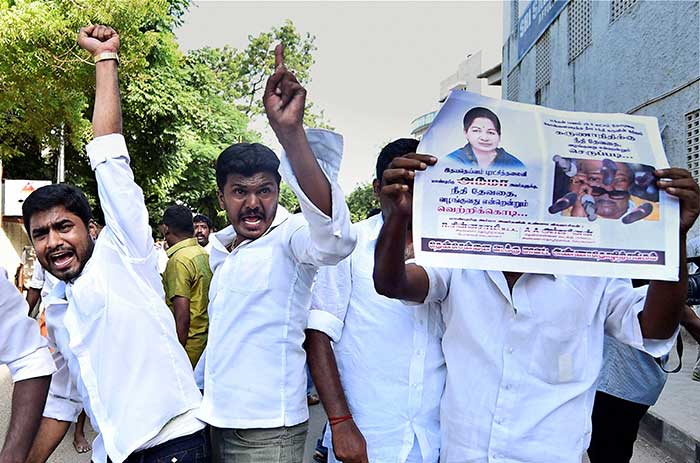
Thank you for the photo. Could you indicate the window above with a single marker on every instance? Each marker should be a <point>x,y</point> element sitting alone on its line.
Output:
<point>618,7</point>
<point>579,12</point>
<point>514,84</point>
<point>692,122</point>
<point>543,61</point>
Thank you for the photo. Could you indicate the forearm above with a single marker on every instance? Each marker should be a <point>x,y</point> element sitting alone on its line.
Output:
<point>324,371</point>
<point>51,433</point>
<point>28,400</point>
<point>665,302</point>
<point>107,116</point>
<point>181,307</point>
<point>691,323</point>
<point>307,171</point>
<point>33,298</point>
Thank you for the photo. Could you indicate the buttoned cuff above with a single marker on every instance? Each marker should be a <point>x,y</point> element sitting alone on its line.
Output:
<point>62,408</point>
<point>106,147</point>
<point>655,347</point>
<point>325,322</point>
<point>38,363</point>
<point>327,147</point>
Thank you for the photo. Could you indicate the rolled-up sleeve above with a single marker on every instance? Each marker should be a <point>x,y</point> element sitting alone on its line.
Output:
<point>623,304</point>
<point>438,284</point>
<point>122,201</point>
<point>330,297</point>
<point>326,240</point>
<point>22,348</point>
<point>63,402</point>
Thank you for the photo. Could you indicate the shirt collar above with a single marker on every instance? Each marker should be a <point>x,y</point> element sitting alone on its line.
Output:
<point>182,244</point>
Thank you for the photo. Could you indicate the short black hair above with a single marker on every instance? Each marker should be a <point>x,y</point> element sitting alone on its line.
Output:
<point>178,218</point>
<point>50,196</point>
<point>204,219</point>
<point>482,112</point>
<point>393,150</point>
<point>246,159</point>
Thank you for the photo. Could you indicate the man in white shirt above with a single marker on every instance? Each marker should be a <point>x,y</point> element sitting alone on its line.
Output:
<point>386,372</point>
<point>524,350</point>
<point>264,264</point>
<point>27,356</point>
<point>107,315</point>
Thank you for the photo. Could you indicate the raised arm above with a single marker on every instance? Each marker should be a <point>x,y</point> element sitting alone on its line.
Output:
<point>392,276</point>
<point>122,201</point>
<point>665,301</point>
<point>284,101</point>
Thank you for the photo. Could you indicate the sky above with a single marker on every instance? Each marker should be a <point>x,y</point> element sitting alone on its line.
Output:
<point>378,64</point>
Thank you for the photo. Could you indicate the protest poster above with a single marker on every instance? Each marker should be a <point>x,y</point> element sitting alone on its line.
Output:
<point>526,188</point>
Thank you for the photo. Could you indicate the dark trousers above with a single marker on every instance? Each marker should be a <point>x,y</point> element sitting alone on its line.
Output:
<point>615,426</point>
<point>194,448</point>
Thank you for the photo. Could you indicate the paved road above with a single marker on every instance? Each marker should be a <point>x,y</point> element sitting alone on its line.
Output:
<point>644,452</point>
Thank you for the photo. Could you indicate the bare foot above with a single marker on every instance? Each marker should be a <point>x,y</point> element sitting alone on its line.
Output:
<point>81,444</point>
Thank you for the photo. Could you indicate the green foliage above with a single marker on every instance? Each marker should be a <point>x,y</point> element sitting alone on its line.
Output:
<point>180,111</point>
<point>361,201</point>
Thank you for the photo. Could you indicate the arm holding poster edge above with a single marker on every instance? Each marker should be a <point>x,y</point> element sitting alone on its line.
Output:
<point>392,277</point>
<point>665,300</point>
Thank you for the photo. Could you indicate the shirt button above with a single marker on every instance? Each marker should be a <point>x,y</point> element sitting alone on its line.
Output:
<point>510,350</point>
<point>499,421</point>
<point>419,353</point>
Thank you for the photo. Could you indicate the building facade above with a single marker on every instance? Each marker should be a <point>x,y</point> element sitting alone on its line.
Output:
<point>637,57</point>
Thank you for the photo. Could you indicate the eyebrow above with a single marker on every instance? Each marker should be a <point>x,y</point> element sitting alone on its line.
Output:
<point>45,229</point>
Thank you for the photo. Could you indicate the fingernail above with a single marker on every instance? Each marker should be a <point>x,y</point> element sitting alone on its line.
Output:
<point>411,173</point>
<point>423,165</point>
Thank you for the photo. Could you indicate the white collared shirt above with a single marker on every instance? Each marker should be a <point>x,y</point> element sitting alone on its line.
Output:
<point>389,356</point>
<point>259,298</point>
<point>113,329</point>
<point>22,348</point>
<point>522,370</point>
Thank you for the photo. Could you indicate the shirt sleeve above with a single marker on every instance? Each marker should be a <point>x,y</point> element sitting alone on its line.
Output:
<point>63,402</point>
<point>325,240</point>
<point>623,303</point>
<point>37,281</point>
<point>438,284</point>
<point>122,201</point>
<point>178,279</point>
<point>330,297</point>
<point>22,348</point>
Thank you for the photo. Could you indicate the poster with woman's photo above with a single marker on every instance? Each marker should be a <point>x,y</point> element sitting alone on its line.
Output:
<point>526,188</point>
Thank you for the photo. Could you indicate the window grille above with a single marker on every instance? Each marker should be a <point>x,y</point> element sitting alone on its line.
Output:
<point>515,16</point>
<point>618,7</point>
<point>579,12</point>
<point>543,61</point>
<point>514,84</point>
<point>692,120</point>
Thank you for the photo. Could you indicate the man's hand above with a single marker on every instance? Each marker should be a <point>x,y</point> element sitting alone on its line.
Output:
<point>98,39</point>
<point>284,99</point>
<point>348,444</point>
<point>396,194</point>
<point>679,183</point>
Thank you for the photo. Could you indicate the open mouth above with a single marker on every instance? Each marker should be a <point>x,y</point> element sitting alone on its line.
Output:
<point>252,220</point>
<point>62,259</point>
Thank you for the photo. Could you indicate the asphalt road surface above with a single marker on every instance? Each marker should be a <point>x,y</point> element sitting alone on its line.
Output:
<point>644,452</point>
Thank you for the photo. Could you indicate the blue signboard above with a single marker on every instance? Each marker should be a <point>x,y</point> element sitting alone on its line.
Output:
<point>537,17</point>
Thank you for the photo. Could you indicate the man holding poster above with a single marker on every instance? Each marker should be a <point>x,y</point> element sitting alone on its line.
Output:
<point>523,350</point>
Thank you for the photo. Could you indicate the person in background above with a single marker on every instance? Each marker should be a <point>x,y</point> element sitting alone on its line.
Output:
<point>186,280</point>
<point>202,228</point>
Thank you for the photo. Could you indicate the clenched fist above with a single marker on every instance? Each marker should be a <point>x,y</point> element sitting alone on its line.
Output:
<point>98,39</point>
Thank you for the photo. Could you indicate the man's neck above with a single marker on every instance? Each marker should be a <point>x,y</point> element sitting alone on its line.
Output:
<point>177,239</point>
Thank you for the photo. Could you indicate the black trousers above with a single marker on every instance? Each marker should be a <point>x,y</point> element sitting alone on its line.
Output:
<point>615,427</point>
<point>194,448</point>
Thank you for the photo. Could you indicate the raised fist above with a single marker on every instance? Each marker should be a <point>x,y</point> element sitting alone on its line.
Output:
<point>98,39</point>
<point>284,98</point>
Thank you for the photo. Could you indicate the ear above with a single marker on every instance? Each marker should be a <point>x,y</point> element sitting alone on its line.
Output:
<point>220,197</point>
<point>377,187</point>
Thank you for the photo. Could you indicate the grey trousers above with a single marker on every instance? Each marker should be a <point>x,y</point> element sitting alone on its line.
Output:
<point>259,445</point>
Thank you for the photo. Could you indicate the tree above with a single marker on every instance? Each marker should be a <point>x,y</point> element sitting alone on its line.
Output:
<point>180,111</point>
<point>361,201</point>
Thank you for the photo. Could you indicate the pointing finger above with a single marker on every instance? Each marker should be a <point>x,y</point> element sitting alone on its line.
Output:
<point>279,56</point>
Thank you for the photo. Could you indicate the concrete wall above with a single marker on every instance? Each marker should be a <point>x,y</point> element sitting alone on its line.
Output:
<point>648,57</point>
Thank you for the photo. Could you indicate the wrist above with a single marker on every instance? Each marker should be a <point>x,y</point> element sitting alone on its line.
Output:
<point>290,135</point>
<point>336,420</point>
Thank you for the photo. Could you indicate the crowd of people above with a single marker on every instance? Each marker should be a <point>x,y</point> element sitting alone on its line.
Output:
<point>208,361</point>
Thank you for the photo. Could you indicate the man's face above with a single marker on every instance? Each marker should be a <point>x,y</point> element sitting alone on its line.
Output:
<point>201,232</point>
<point>482,135</point>
<point>612,200</point>
<point>250,203</point>
<point>62,242</point>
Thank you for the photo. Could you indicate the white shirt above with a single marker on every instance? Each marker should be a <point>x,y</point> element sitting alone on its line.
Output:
<point>389,356</point>
<point>259,298</point>
<point>522,370</point>
<point>113,329</point>
<point>22,348</point>
<point>42,280</point>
